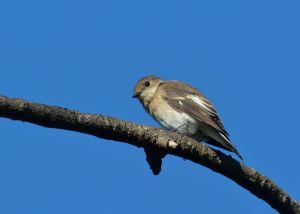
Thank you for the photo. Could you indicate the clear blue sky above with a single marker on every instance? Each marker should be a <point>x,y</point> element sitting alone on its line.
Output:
<point>87,55</point>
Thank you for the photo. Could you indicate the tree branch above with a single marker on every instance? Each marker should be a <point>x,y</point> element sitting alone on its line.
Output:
<point>148,137</point>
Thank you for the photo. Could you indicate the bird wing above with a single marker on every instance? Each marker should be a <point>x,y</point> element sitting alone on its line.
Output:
<point>195,104</point>
<point>184,98</point>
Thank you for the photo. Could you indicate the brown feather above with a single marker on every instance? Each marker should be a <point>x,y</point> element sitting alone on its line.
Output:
<point>179,96</point>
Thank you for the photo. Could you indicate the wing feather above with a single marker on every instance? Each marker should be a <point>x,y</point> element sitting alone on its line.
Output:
<point>196,105</point>
<point>185,98</point>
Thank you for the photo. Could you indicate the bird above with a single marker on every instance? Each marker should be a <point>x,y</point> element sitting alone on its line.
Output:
<point>179,107</point>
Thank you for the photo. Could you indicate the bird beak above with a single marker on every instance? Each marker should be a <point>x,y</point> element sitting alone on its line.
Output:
<point>136,94</point>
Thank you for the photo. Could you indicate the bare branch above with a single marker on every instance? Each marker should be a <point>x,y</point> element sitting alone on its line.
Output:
<point>148,137</point>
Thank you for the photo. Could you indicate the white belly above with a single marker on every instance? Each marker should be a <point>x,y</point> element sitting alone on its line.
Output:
<point>174,121</point>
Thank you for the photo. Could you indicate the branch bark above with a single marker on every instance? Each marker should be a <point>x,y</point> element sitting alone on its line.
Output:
<point>149,137</point>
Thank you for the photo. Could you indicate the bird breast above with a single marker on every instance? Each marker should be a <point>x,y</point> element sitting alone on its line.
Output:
<point>171,119</point>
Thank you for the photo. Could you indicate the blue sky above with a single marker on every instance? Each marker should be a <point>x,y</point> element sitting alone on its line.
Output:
<point>87,55</point>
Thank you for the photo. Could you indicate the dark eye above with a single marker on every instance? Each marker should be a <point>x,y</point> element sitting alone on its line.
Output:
<point>147,83</point>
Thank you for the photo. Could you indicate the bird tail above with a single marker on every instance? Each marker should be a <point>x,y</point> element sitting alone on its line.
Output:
<point>229,147</point>
<point>222,140</point>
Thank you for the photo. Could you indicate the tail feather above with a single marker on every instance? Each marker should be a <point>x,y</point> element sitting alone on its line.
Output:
<point>223,141</point>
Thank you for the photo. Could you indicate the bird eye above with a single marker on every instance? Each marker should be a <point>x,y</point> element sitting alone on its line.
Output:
<point>147,83</point>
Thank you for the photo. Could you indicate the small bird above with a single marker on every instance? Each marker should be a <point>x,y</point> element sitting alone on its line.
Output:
<point>176,106</point>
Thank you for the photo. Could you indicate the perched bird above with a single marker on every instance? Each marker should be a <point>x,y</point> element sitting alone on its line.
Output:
<point>176,106</point>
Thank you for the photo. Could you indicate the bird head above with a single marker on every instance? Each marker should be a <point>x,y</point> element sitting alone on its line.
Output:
<point>145,88</point>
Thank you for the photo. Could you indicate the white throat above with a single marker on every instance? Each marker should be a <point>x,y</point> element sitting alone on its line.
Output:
<point>147,95</point>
